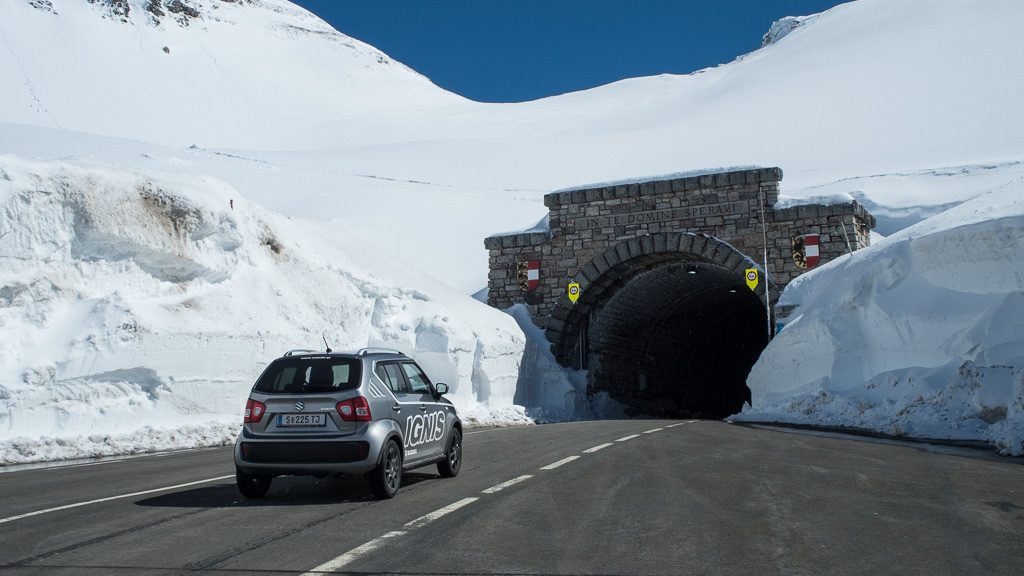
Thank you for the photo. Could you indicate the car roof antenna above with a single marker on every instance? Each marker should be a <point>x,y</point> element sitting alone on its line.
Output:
<point>324,336</point>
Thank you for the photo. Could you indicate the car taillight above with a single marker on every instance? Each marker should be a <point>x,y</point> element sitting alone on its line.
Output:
<point>254,410</point>
<point>355,410</point>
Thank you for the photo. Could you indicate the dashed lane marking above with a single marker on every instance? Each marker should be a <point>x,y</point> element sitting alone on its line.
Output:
<point>503,485</point>
<point>348,557</point>
<point>355,553</point>
<point>428,518</point>
<point>653,430</point>
<point>554,465</point>
<point>109,498</point>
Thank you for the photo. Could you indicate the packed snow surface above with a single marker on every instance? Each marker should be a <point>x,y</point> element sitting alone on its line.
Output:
<point>186,193</point>
<point>922,334</point>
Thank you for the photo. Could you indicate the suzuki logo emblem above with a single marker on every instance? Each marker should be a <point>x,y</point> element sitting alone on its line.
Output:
<point>299,406</point>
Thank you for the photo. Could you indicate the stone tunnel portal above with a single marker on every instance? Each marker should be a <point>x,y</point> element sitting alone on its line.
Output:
<point>677,340</point>
<point>664,321</point>
<point>674,337</point>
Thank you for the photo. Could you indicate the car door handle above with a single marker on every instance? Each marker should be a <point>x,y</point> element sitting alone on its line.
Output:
<point>396,408</point>
<point>423,408</point>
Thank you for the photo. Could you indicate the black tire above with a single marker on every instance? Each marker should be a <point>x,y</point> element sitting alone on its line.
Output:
<point>452,463</point>
<point>252,485</point>
<point>386,478</point>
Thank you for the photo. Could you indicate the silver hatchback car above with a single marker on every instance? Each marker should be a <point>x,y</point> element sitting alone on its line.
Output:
<point>371,412</point>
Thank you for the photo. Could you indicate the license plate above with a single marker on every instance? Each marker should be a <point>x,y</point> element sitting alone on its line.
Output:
<point>301,420</point>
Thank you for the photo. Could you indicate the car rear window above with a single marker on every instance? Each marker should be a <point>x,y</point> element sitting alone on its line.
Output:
<point>309,374</point>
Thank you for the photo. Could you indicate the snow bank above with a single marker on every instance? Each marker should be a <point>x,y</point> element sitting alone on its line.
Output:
<point>134,306</point>
<point>919,335</point>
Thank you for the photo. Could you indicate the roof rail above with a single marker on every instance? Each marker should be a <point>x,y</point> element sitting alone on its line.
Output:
<point>375,350</point>
<point>302,350</point>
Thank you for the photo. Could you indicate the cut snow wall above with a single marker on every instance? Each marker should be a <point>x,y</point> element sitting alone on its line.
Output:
<point>129,302</point>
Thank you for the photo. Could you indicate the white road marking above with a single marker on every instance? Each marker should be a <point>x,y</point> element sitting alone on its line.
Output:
<point>428,518</point>
<point>596,448</point>
<point>654,430</point>
<point>354,554</point>
<point>503,485</point>
<point>630,437</point>
<point>554,465</point>
<point>491,430</point>
<point>109,498</point>
<point>680,423</point>
<point>90,464</point>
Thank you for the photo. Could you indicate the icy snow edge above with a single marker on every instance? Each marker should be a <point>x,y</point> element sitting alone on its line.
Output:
<point>920,335</point>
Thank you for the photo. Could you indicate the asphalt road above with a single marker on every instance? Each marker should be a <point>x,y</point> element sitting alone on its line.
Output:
<point>694,498</point>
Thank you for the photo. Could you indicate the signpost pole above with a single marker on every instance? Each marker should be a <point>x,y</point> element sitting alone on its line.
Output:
<point>764,233</point>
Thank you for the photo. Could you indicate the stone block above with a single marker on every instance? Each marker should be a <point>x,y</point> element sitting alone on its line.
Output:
<point>647,244</point>
<point>672,241</point>
<point>647,188</point>
<point>686,242</point>
<point>622,251</point>
<point>807,211</point>
<point>634,247</point>
<point>663,187</point>
<point>707,181</point>
<point>699,242</point>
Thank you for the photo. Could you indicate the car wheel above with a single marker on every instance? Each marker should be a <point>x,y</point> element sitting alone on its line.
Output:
<point>452,463</point>
<point>252,485</point>
<point>386,478</point>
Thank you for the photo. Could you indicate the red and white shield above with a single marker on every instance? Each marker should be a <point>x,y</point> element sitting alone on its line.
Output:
<point>532,275</point>
<point>811,253</point>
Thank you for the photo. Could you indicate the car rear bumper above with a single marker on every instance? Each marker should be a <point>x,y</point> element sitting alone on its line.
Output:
<point>355,454</point>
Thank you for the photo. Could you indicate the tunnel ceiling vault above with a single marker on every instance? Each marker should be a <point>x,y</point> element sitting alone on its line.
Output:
<point>665,330</point>
<point>671,294</point>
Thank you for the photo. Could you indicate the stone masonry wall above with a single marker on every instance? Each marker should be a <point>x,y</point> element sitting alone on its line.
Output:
<point>727,205</point>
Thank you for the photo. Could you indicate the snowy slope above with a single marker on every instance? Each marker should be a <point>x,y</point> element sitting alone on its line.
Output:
<point>921,334</point>
<point>870,92</point>
<point>254,73</point>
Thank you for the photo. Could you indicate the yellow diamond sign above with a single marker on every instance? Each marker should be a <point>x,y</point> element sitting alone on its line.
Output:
<point>751,275</point>
<point>574,291</point>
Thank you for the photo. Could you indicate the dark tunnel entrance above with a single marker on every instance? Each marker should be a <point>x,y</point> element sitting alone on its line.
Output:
<point>667,333</point>
<point>678,340</point>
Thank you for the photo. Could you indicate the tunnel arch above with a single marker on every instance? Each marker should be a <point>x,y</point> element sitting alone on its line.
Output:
<point>665,324</point>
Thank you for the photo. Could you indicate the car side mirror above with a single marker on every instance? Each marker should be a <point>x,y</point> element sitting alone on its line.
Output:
<point>441,388</point>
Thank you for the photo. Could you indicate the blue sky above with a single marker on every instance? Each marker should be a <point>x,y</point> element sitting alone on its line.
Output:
<point>516,50</point>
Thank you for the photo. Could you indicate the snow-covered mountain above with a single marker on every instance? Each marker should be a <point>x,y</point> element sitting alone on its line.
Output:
<point>253,119</point>
<point>883,100</point>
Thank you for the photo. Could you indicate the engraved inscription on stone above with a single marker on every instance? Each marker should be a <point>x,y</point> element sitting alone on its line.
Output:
<point>666,215</point>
